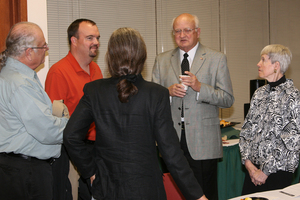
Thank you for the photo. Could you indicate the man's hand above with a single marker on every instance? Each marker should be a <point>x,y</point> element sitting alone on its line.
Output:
<point>59,109</point>
<point>92,178</point>
<point>191,81</point>
<point>177,90</point>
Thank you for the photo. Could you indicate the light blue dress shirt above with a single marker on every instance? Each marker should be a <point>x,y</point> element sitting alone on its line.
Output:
<point>27,125</point>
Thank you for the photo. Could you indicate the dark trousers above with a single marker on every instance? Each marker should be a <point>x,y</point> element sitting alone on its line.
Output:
<point>278,180</point>
<point>62,189</point>
<point>205,171</point>
<point>84,192</point>
<point>22,179</point>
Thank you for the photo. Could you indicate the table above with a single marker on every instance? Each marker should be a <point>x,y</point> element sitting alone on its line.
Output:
<point>231,172</point>
<point>281,194</point>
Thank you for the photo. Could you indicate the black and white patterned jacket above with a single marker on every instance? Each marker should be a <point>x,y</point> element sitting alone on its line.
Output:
<point>270,136</point>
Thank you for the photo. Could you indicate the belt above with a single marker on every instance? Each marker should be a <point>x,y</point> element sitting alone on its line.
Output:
<point>29,158</point>
<point>89,142</point>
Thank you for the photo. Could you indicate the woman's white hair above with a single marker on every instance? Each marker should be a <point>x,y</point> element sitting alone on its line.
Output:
<point>278,53</point>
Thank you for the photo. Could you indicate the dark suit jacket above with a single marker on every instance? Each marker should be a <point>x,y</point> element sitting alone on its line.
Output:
<point>125,158</point>
<point>201,115</point>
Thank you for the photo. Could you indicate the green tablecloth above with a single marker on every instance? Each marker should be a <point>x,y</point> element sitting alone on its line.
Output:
<point>231,172</point>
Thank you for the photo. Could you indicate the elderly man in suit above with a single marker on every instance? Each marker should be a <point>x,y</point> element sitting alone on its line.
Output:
<point>196,98</point>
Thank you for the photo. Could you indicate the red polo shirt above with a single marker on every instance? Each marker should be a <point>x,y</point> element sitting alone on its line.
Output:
<point>66,79</point>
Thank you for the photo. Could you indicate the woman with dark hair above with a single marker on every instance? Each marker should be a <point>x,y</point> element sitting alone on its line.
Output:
<point>131,116</point>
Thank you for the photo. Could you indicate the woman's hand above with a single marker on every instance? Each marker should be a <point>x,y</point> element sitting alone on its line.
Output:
<point>203,198</point>
<point>256,175</point>
<point>260,177</point>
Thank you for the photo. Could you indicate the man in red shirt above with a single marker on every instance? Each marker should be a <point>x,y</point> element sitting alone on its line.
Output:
<point>65,81</point>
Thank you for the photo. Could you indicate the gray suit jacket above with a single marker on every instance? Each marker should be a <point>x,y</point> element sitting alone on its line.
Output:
<point>201,115</point>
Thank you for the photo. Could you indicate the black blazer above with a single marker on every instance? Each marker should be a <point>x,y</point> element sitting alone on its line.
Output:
<point>125,158</point>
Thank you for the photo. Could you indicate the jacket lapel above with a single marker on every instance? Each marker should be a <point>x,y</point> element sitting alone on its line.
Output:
<point>199,59</point>
<point>175,63</point>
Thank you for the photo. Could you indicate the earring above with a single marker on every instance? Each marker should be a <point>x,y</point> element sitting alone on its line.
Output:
<point>275,71</point>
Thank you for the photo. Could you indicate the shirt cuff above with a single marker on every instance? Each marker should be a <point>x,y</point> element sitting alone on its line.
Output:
<point>197,97</point>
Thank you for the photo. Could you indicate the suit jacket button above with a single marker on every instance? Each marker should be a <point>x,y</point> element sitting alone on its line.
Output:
<point>179,123</point>
<point>179,108</point>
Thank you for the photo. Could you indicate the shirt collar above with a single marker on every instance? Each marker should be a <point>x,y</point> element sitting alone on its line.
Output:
<point>20,67</point>
<point>76,65</point>
<point>191,53</point>
<point>276,83</point>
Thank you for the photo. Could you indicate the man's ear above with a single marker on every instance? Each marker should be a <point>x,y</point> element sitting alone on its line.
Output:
<point>28,53</point>
<point>198,32</point>
<point>74,40</point>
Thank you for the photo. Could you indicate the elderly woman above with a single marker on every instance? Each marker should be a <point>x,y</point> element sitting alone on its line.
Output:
<point>131,115</point>
<point>269,139</point>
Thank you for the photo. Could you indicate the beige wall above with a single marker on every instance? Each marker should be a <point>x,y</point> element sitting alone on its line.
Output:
<point>37,13</point>
<point>245,28</point>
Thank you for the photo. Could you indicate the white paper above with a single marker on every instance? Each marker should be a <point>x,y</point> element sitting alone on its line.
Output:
<point>293,190</point>
<point>231,142</point>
